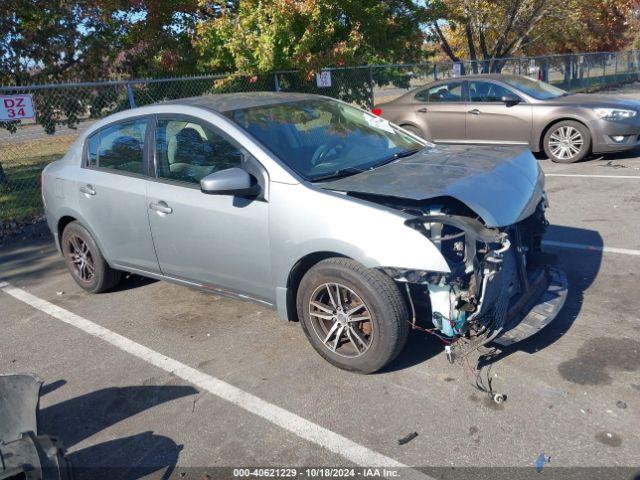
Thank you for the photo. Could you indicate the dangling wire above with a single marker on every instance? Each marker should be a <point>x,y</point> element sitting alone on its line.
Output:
<point>414,324</point>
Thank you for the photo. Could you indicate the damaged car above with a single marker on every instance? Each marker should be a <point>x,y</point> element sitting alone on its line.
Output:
<point>336,218</point>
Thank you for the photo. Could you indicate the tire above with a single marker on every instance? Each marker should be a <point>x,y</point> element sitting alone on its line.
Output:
<point>567,142</point>
<point>365,345</point>
<point>85,262</point>
<point>415,130</point>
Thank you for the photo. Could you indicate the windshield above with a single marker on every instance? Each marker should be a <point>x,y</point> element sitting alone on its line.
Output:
<point>321,138</point>
<point>535,88</point>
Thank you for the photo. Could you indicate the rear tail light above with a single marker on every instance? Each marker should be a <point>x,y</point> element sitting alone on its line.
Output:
<point>376,111</point>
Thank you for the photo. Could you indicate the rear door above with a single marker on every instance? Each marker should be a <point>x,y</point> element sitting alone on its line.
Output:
<point>490,120</point>
<point>441,110</point>
<point>111,192</point>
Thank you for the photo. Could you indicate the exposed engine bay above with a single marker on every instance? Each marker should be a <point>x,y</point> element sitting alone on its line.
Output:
<point>494,273</point>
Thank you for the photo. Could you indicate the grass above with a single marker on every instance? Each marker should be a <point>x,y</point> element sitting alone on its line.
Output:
<point>22,162</point>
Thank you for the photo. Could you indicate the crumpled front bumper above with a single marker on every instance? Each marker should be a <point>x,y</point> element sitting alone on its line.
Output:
<point>536,308</point>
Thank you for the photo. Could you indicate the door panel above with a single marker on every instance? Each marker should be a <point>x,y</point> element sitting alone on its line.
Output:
<point>489,120</point>
<point>111,195</point>
<point>217,240</point>
<point>441,109</point>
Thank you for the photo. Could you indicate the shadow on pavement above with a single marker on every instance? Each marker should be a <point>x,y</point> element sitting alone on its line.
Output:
<point>136,456</point>
<point>30,260</point>
<point>581,267</point>
<point>128,458</point>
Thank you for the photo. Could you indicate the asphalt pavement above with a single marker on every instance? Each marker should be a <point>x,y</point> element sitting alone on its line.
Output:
<point>573,390</point>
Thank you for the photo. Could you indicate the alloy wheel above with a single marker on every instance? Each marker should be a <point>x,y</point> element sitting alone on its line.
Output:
<point>81,259</point>
<point>341,320</point>
<point>566,142</point>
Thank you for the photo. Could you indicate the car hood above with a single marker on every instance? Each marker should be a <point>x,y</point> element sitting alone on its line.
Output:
<point>594,100</point>
<point>503,185</point>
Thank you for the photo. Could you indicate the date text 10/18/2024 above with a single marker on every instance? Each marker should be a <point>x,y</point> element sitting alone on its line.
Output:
<point>374,472</point>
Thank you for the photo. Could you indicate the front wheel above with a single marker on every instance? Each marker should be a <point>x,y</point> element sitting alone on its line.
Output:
<point>355,317</point>
<point>567,142</point>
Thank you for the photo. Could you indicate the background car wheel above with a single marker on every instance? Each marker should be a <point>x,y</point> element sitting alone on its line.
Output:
<point>415,130</point>
<point>355,317</point>
<point>85,262</point>
<point>567,142</point>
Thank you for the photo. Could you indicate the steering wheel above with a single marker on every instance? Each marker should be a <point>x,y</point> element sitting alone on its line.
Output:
<point>325,151</point>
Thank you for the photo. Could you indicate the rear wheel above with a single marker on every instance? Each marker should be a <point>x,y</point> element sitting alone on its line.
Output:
<point>415,130</point>
<point>85,262</point>
<point>355,317</point>
<point>567,142</point>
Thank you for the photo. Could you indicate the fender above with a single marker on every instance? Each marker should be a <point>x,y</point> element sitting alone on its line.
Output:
<point>353,224</point>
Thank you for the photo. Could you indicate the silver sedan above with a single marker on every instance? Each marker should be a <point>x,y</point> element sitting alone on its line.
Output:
<point>329,214</point>
<point>515,110</point>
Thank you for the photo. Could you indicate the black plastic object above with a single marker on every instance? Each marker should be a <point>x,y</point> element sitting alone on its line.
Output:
<point>25,455</point>
<point>19,399</point>
<point>541,311</point>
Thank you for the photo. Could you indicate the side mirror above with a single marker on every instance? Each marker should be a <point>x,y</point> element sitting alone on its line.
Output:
<point>510,99</point>
<point>231,181</point>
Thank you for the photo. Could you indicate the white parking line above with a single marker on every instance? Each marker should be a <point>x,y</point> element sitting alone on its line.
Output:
<point>593,248</point>
<point>637,177</point>
<point>291,422</point>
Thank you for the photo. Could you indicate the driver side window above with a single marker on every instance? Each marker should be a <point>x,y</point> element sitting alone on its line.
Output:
<point>188,151</point>
<point>444,92</point>
<point>486,92</point>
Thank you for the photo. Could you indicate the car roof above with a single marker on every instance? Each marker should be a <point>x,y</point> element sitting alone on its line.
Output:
<point>485,76</point>
<point>223,102</point>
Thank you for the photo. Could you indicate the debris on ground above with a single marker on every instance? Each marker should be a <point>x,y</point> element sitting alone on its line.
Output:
<point>541,461</point>
<point>60,293</point>
<point>613,165</point>
<point>407,438</point>
<point>620,404</point>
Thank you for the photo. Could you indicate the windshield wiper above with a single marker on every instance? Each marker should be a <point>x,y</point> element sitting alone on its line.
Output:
<point>348,171</point>
<point>343,172</point>
<point>395,156</point>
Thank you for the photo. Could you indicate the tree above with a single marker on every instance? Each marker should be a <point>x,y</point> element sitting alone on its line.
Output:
<point>585,26</point>
<point>488,29</point>
<point>262,36</point>
<point>265,35</point>
<point>46,41</point>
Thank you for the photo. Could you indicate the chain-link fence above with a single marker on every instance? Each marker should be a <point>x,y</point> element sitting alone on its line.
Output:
<point>63,111</point>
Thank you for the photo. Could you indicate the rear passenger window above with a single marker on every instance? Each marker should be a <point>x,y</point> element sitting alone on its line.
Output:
<point>119,147</point>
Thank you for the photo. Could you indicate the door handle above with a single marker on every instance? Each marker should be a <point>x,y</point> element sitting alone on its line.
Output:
<point>161,208</point>
<point>87,190</point>
<point>423,110</point>
<point>475,111</point>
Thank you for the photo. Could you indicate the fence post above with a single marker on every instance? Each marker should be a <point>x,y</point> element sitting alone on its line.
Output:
<point>372,99</point>
<point>570,60</point>
<point>547,78</point>
<point>132,102</point>
<point>276,81</point>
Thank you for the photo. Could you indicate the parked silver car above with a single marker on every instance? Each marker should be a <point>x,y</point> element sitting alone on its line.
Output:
<point>514,110</point>
<point>331,215</point>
